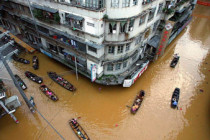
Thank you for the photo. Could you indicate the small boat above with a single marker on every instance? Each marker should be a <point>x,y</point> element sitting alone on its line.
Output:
<point>20,81</point>
<point>21,60</point>
<point>137,102</point>
<point>33,77</point>
<point>61,81</point>
<point>49,93</point>
<point>78,130</point>
<point>175,98</point>
<point>174,61</point>
<point>35,62</point>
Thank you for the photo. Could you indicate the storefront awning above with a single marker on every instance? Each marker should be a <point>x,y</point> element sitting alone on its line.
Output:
<point>154,42</point>
<point>78,18</point>
<point>44,8</point>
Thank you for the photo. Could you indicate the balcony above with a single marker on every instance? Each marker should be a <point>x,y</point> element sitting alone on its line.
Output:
<point>46,14</point>
<point>95,5</point>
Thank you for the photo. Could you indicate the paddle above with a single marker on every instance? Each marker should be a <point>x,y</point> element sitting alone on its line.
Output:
<point>128,106</point>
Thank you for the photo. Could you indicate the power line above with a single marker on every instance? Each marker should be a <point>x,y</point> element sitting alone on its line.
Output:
<point>49,124</point>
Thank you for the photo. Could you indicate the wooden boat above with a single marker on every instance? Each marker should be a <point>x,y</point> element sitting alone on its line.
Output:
<point>33,77</point>
<point>20,81</point>
<point>49,93</point>
<point>174,61</point>
<point>175,98</point>
<point>137,102</point>
<point>61,81</point>
<point>78,130</point>
<point>35,62</point>
<point>21,60</point>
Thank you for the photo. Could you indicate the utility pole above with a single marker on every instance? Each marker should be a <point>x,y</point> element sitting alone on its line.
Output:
<point>3,59</point>
<point>76,66</point>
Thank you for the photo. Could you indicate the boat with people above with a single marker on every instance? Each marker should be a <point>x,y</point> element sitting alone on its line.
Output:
<point>35,62</point>
<point>49,93</point>
<point>175,98</point>
<point>174,61</point>
<point>20,82</point>
<point>33,77</point>
<point>61,81</point>
<point>137,102</point>
<point>78,130</point>
<point>21,60</point>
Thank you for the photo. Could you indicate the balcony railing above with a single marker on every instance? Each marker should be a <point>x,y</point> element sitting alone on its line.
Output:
<point>145,2</point>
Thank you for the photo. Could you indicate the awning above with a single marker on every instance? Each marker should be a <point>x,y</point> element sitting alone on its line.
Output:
<point>44,8</point>
<point>78,18</point>
<point>154,42</point>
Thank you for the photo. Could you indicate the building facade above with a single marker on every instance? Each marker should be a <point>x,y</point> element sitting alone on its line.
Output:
<point>109,41</point>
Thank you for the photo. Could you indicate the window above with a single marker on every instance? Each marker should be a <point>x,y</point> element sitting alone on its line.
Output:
<point>118,66</point>
<point>125,3</point>
<point>111,49</point>
<point>120,49</point>
<point>110,67</point>
<point>135,2</point>
<point>123,26</point>
<point>127,47</point>
<point>115,3</point>
<point>142,19</point>
<point>130,27</point>
<point>90,24</point>
<point>151,14</point>
<point>155,26</point>
<point>138,39</point>
<point>125,64</point>
<point>92,49</point>
<point>53,48</point>
<point>134,57</point>
<point>112,28</point>
<point>160,8</point>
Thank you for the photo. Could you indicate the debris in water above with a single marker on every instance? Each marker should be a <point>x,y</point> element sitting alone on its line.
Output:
<point>201,90</point>
<point>116,125</point>
<point>180,108</point>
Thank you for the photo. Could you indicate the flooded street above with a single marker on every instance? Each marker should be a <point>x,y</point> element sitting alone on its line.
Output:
<point>103,110</point>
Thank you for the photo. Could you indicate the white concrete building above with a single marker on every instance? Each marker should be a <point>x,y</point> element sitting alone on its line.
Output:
<point>109,34</point>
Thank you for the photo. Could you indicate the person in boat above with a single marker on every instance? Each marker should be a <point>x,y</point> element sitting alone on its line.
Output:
<point>53,98</point>
<point>138,100</point>
<point>176,55</point>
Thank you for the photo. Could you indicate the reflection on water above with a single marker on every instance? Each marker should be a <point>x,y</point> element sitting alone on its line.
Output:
<point>103,111</point>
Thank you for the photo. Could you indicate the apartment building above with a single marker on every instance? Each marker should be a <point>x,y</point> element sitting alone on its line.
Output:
<point>109,41</point>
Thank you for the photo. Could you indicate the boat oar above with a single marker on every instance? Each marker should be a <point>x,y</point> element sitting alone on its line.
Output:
<point>128,106</point>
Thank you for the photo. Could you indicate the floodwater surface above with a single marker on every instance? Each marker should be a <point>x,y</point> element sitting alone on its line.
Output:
<point>103,110</point>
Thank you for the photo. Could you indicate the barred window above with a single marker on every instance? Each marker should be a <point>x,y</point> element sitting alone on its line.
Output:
<point>118,66</point>
<point>125,3</point>
<point>110,67</point>
<point>120,49</point>
<point>115,3</point>
<point>111,49</point>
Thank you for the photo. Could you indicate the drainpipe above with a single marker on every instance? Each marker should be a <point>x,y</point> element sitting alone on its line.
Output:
<point>29,5</point>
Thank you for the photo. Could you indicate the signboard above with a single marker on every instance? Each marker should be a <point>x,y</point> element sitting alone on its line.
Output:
<point>164,39</point>
<point>93,72</point>
<point>129,82</point>
<point>46,53</point>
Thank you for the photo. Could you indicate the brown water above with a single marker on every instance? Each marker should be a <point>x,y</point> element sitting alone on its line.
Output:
<point>104,114</point>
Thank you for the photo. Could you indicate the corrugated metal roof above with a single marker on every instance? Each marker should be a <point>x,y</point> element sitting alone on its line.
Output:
<point>74,17</point>
<point>154,42</point>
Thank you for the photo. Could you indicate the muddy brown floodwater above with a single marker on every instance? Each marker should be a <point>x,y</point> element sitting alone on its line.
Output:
<point>102,110</point>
